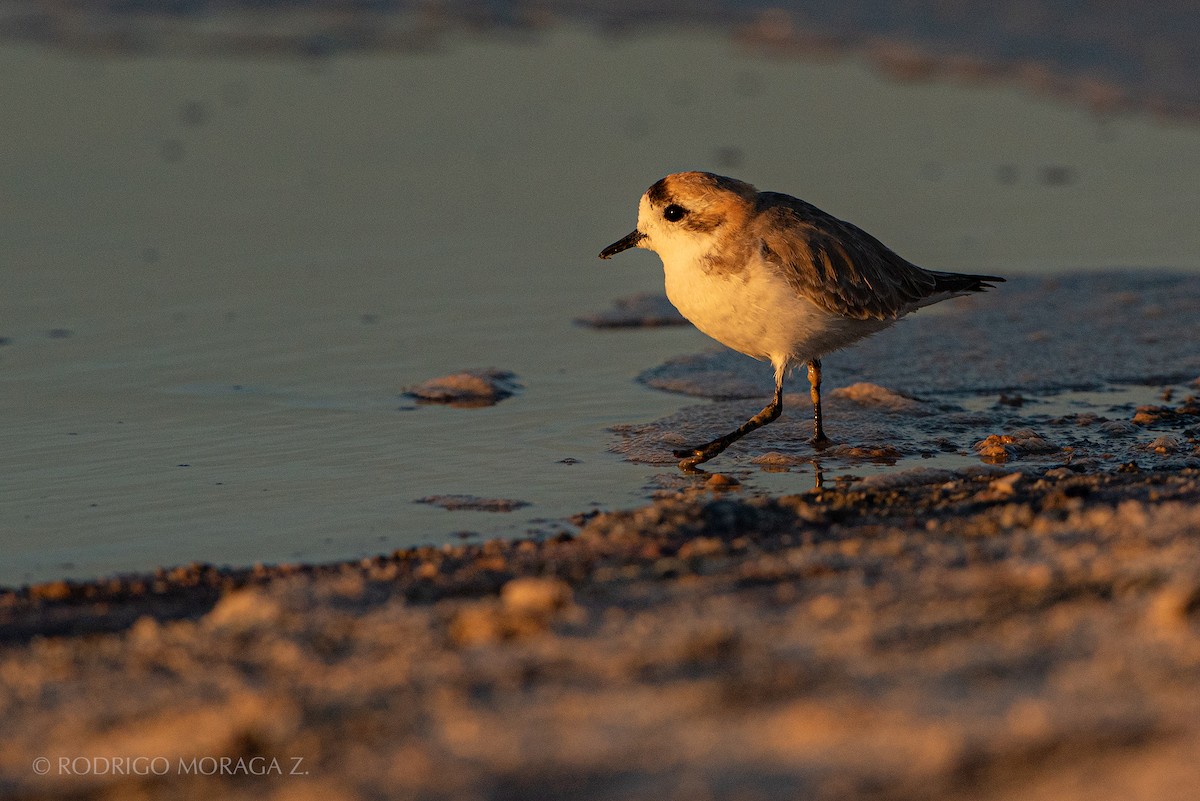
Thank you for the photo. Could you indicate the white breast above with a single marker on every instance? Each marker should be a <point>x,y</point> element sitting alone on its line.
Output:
<point>755,311</point>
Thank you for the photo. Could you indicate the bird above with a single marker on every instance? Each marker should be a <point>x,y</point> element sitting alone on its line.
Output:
<point>778,279</point>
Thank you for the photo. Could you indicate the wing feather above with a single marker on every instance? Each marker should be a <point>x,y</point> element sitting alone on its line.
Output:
<point>835,264</point>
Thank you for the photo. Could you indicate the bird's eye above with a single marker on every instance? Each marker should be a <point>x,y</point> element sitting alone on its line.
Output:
<point>674,213</point>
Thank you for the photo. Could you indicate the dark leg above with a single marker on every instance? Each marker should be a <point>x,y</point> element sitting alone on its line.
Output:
<point>690,457</point>
<point>819,440</point>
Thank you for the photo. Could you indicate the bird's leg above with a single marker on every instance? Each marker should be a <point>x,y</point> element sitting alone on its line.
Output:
<point>819,440</point>
<point>690,457</point>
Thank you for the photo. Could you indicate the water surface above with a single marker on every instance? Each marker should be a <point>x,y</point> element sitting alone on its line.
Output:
<point>220,273</point>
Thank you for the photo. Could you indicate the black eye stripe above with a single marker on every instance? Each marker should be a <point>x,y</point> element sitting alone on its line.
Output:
<point>674,213</point>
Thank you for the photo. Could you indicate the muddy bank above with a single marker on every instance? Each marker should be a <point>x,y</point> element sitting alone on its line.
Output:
<point>1131,428</point>
<point>917,636</point>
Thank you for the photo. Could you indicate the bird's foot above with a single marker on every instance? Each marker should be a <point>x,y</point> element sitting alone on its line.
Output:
<point>690,457</point>
<point>820,442</point>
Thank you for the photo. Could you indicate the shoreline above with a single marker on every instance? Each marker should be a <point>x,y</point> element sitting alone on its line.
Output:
<point>797,621</point>
<point>183,591</point>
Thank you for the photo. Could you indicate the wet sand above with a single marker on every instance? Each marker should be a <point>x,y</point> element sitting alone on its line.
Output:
<point>1102,369</point>
<point>991,635</point>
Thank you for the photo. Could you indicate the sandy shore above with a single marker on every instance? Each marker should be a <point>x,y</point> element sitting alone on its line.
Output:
<point>914,636</point>
<point>1022,631</point>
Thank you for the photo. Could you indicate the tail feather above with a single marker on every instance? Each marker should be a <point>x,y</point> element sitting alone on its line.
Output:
<point>961,282</point>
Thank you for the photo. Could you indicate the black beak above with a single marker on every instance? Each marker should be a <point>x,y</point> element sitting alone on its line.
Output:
<point>622,244</point>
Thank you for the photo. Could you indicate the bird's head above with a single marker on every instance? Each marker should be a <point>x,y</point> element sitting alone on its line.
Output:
<point>688,214</point>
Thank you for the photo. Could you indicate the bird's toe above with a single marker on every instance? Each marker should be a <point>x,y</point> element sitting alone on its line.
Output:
<point>690,457</point>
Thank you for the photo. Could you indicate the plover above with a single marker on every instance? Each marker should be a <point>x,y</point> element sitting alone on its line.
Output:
<point>777,279</point>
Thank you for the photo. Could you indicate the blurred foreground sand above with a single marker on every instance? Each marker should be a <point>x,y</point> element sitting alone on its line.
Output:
<point>921,635</point>
<point>911,636</point>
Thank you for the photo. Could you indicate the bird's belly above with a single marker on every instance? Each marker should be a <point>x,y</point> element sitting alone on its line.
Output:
<point>756,312</point>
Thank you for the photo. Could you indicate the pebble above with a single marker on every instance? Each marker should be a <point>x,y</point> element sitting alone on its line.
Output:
<point>458,503</point>
<point>646,310</point>
<point>535,596</point>
<point>467,389</point>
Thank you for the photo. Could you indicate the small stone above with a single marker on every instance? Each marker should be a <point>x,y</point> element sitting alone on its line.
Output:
<point>144,632</point>
<point>538,597</point>
<point>872,395</point>
<point>1163,445</point>
<point>777,459</point>
<point>647,310</point>
<point>1029,719</point>
<point>51,591</point>
<point>823,607</point>
<point>998,448</point>
<point>1006,485</point>
<point>993,450</point>
<point>720,481</point>
<point>458,503</point>
<point>1058,473</point>
<point>879,453</point>
<point>468,389</point>
<point>1147,415</point>
<point>243,610</point>
<point>1174,606</point>
<point>476,625</point>
<point>701,546</point>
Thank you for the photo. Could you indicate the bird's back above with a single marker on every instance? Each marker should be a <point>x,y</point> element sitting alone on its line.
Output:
<point>843,269</point>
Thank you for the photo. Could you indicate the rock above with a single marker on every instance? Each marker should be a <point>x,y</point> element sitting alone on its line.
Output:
<point>1006,485</point>
<point>998,448</point>
<point>526,608</point>
<point>458,503</point>
<point>244,610</point>
<point>868,394</point>
<point>1174,606</point>
<point>535,596</point>
<point>1163,445</point>
<point>646,310</point>
<point>468,389</point>
<point>720,481</point>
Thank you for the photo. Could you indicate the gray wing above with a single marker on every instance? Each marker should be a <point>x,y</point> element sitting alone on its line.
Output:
<point>836,265</point>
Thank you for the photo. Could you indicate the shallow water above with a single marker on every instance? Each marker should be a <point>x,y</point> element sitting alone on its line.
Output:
<point>221,274</point>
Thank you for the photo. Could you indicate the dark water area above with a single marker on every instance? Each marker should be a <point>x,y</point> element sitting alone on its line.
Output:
<point>1111,56</point>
